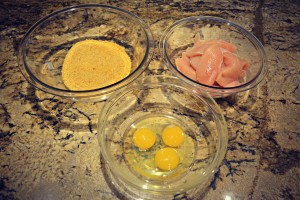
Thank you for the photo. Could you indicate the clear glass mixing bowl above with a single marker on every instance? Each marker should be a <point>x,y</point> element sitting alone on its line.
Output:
<point>43,48</point>
<point>156,102</point>
<point>181,35</point>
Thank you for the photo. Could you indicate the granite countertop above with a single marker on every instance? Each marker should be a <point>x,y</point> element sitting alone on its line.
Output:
<point>47,144</point>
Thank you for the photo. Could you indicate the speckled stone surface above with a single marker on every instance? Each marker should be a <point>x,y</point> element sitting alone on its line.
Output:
<point>48,148</point>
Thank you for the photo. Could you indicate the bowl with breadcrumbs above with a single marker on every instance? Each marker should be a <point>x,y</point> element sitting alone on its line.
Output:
<point>214,55</point>
<point>85,52</point>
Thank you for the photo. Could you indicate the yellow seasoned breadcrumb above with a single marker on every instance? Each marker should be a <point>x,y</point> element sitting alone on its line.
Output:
<point>92,64</point>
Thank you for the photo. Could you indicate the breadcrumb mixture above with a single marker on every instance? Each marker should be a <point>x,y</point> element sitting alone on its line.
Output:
<point>92,64</point>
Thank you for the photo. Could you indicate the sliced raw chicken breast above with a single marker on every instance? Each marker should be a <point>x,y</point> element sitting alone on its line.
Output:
<point>195,61</point>
<point>201,46</point>
<point>212,62</point>
<point>183,65</point>
<point>224,80</point>
<point>223,44</point>
<point>209,65</point>
<point>232,65</point>
<point>233,70</point>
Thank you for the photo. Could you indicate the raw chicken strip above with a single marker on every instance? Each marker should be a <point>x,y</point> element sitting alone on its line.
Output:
<point>183,65</point>
<point>212,62</point>
<point>195,61</point>
<point>201,46</point>
<point>232,70</point>
<point>210,65</point>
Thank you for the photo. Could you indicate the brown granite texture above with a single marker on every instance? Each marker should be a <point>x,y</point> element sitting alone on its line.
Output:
<point>47,144</point>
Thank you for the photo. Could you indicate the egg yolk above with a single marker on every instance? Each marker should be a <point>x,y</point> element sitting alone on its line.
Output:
<point>144,138</point>
<point>166,159</point>
<point>173,136</point>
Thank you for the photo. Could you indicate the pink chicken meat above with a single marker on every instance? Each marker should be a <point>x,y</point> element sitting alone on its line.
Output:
<point>212,62</point>
<point>209,66</point>
<point>183,65</point>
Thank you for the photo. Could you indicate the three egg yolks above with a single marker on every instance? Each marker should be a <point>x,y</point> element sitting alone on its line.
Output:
<point>166,158</point>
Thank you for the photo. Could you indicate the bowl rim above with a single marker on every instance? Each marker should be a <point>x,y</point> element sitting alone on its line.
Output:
<point>208,88</point>
<point>31,78</point>
<point>221,147</point>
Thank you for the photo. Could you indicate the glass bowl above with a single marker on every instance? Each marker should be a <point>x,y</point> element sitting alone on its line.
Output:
<point>43,48</point>
<point>181,35</point>
<point>157,102</point>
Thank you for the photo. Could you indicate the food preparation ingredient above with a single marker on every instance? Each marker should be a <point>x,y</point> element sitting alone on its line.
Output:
<point>208,68</point>
<point>212,62</point>
<point>144,138</point>
<point>167,159</point>
<point>92,64</point>
<point>173,136</point>
<point>158,148</point>
<point>234,69</point>
<point>184,66</point>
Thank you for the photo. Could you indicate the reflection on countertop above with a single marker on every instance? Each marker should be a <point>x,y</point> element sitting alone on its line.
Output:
<point>48,148</point>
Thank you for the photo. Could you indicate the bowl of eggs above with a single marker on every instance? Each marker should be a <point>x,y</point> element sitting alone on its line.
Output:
<point>214,55</point>
<point>85,52</point>
<point>159,137</point>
